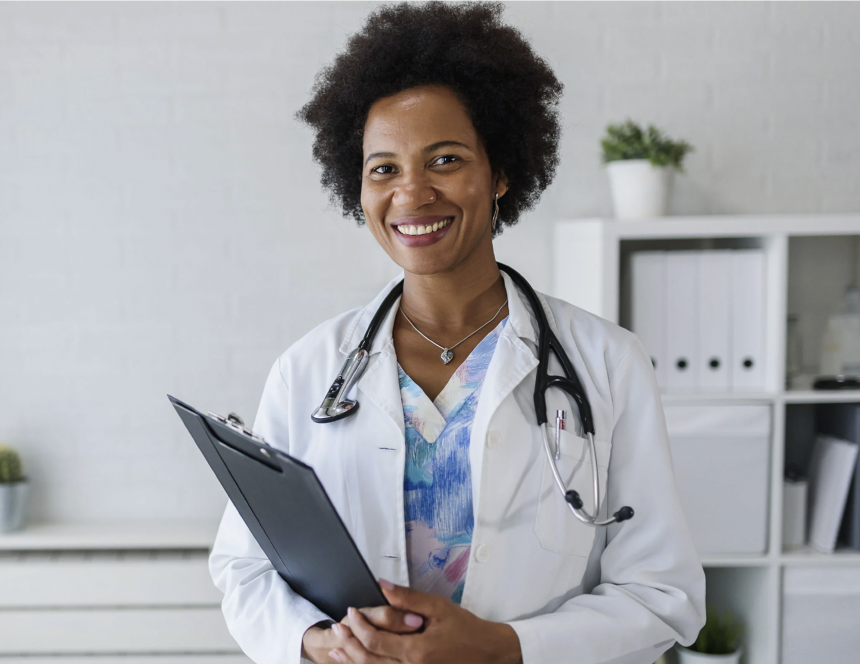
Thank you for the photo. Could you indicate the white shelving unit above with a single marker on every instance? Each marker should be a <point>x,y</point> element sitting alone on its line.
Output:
<point>124,592</point>
<point>591,263</point>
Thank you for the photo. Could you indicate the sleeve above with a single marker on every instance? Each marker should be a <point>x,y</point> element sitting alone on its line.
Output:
<point>652,587</point>
<point>267,619</point>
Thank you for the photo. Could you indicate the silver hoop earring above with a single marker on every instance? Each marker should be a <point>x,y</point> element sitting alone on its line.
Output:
<point>494,223</point>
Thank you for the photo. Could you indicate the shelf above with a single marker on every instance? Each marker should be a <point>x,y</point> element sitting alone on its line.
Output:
<point>789,396</point>
<point>822,396</point>
<point>714,226</point>
<point>111,536</point>
<point>809,556</point>
<point>717,397</point>
<point>735,560</point>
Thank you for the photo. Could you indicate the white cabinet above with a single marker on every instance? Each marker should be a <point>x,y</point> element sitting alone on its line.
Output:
<point>133,593</point>
<point>820,615</point>
<point>809,259</point>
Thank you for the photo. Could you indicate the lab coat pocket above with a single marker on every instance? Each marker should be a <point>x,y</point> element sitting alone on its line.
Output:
<point>556,527</point>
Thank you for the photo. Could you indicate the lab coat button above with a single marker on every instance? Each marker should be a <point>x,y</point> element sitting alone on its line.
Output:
<point>493,439</point>
<point>483,553</point>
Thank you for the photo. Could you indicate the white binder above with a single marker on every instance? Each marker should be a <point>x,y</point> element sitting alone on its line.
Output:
<point>714,309</point>
<point>747,339</point>
<point>830,470</point>
<point>682,319</point>
<point>648,284</point>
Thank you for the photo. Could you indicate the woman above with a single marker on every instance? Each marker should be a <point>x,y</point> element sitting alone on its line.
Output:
<point>437,127</point>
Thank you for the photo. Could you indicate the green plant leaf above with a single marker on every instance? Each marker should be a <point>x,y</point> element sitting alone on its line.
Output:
<point>629,141</point>
<point>721,634</point>
<point>10,466</point>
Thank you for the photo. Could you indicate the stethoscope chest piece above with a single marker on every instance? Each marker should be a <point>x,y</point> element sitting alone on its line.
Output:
<point>335,405</point>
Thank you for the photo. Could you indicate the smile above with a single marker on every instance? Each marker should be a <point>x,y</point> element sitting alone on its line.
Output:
<point>410,229</point>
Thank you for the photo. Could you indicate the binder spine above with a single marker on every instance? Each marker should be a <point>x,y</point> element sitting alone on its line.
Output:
<point>682,294</point>
<point>648,283</point>
<point>714,320</point>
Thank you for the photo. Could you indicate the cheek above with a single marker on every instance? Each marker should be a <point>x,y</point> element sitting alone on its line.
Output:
<point>478,196</point>
<point>371,203</point>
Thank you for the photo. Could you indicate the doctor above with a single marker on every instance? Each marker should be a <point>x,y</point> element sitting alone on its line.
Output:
<point>437,127</point>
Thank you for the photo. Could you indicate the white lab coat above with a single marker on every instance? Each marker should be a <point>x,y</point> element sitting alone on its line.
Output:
<point>573,593</point>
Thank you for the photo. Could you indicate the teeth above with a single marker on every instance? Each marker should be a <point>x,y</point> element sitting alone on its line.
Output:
<point>423,230</point>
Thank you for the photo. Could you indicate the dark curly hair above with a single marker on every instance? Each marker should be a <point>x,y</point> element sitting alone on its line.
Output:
<point>509,92</point>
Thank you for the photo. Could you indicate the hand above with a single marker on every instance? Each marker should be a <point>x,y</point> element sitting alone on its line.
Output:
<point>317,642</point>
<point>451,634</point>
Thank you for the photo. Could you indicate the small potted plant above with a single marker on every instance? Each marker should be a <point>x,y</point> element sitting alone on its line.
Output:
<point>641,165</point>
<point>718,642</point>
<point>13,490</point>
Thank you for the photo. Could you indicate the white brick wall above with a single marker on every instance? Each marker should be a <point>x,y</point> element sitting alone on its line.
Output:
<point>162,228</point>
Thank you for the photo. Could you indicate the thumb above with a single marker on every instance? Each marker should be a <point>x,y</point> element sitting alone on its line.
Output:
<point>409,599</point>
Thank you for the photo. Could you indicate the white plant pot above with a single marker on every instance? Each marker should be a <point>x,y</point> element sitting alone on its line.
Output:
<point>686,656</point>
<point>639,189</point>
<point>13,499</point>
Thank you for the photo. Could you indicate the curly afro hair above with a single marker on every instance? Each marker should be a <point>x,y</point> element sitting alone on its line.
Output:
<point>509,92</point>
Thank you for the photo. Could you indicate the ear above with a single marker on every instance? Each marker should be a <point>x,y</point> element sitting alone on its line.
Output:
<point>500,184</point>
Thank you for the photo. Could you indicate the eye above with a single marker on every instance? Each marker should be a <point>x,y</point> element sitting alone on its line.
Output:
<point>378,170</point>
<point>446,159</point>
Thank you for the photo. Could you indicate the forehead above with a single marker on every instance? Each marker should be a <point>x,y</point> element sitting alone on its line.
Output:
<point>417,117</point>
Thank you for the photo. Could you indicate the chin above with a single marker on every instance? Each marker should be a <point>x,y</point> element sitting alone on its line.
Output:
<point>424,265</point>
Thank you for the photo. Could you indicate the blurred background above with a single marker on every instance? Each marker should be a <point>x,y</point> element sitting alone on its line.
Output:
<point>163,230</point>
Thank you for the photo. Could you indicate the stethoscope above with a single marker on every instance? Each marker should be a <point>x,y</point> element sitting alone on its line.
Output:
<point>336,406</point>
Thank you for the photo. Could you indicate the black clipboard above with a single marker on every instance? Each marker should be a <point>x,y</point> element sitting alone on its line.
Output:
<point>289,513</point>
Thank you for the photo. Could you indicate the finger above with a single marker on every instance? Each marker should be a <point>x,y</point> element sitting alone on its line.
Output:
<point>409,599</point>
<point>391,619</point>
<point>378,642</point>
<point>353,652</point>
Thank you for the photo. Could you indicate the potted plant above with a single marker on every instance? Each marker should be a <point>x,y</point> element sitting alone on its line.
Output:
<point>13,490</point>
<point>641,165</point>
<point>718,642</point>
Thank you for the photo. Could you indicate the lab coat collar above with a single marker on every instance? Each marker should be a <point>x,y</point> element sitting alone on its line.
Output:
<point>520,318</point>
<point>358,326</point>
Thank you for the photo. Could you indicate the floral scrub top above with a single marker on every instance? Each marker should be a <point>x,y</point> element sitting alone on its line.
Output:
<point>438,479</point>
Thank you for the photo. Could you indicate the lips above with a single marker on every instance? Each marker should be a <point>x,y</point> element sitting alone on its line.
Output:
<point>422,231</point>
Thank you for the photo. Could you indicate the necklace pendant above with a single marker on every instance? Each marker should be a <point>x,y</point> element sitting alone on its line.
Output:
<point>447,356</point>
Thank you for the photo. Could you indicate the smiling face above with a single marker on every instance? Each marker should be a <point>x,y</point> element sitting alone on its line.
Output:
<point>427,187</point>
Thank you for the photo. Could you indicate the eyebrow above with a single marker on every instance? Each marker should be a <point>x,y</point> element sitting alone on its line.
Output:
<point>429,148</point>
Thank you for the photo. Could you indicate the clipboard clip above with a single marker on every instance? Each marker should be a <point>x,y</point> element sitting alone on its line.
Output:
<point>235,422</point>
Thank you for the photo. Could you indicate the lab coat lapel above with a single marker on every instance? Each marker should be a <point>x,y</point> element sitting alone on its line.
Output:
<point>512,362</point>
<point>373,464</point>
<point>381,385</point>
<point>380,382</point>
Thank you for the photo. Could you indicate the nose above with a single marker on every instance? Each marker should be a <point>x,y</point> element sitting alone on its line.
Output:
<point>413,191</point>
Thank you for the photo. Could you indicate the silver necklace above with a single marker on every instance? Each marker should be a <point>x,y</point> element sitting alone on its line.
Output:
<point>447,355</point>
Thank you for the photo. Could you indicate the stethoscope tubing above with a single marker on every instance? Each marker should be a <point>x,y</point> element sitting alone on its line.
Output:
<point>579,513</point>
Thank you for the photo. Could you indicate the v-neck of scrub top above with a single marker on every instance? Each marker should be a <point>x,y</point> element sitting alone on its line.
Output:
<point>437,483</point>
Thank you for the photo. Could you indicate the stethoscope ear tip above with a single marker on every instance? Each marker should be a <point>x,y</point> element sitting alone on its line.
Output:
<point>623,514</point>
<point>573,498</point>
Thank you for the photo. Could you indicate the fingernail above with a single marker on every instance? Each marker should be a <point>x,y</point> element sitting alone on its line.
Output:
<point>334,654</point>
<point>336,628</point>
<point>351,612</point>
<point>386,584</point>
<point>413,620</point>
